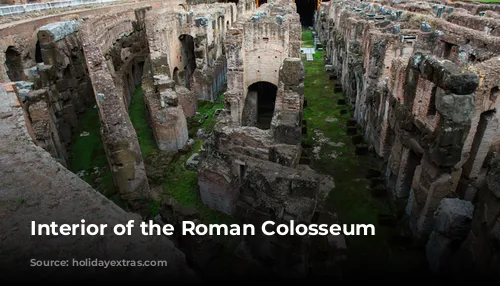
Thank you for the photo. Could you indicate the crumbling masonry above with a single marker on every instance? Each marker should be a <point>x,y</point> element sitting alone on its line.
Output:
<point>59,66</point>
<point>423,82</point>
<point>250,165</point>
<point>69,63</point>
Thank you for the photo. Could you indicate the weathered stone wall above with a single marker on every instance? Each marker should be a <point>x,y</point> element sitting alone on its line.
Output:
<point>420,80</point>
<point>182,35</point>
<point>61,87</point>
<point>53,194</point>
<point>118,134</point>
<point>23,35</point>
<point>253,173</point>
<point>121,58</point>
<point>256,48</point>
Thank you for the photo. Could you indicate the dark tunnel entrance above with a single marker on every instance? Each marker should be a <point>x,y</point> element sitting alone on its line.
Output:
<point>188,59</point>
<point>38,53</point>
<point>14,64</point>
<point>306,9</point>
<point>259,104</point>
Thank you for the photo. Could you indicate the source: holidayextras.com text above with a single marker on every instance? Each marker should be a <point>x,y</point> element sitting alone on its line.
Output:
<point>149,228</point>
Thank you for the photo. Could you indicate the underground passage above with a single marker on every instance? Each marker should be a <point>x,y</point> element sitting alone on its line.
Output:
<point>188,60</point>
<point>380,115</point>
<point>265,94</point>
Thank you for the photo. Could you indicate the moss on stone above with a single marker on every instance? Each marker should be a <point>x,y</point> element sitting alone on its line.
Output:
<point>87,155</point>
<point>177,181</point>
<point>351,198</point>
<point>139,118</point>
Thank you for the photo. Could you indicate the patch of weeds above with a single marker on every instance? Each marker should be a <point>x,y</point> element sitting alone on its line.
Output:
<point>351,198</point>
<point>87,154</point>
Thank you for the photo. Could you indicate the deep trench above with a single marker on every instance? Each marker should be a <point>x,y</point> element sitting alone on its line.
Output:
<point>87,155</point>
<point>386,255</point>
<point>359,196</point>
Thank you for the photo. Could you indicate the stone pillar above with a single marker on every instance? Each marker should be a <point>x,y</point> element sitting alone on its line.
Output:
<point>486,131</point>
<point>286,124</point>
<point>440,171</point>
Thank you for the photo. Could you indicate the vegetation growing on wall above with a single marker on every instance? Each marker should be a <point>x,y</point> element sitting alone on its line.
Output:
<point>168,171</point>
<point>88,158</point>
<point>332,152</point>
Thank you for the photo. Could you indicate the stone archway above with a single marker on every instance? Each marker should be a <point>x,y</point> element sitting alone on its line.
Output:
<point>188,59</point>
<point>14,64</point>
<point>260,104</point>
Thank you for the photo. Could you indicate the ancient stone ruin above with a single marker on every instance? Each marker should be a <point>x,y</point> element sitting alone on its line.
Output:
<point>252,111</point>
<point>422,79</point>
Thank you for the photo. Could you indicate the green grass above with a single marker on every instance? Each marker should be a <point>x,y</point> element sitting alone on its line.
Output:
<point>182,183</point>
<point>139,118</point>
<point>350,199</point>
<point>177,181</point>
<point>307,39</point>
<point>87,155</point>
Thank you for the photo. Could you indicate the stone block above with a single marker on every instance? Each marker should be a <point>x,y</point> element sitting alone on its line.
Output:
<point>453,218</point>
<point>292,72</point>
<point>286,129</point>
<point>456,108</point>
<point>303,188</point>
<point>163,82</point>
<point>57,31</point>
<point>192,162</point>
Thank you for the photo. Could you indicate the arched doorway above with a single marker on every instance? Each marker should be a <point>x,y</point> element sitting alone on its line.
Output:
<point>259,105</point>
<point>38,53</point>
<point>188,59</point>
<point>175,76</point>
<point>14,64</point>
